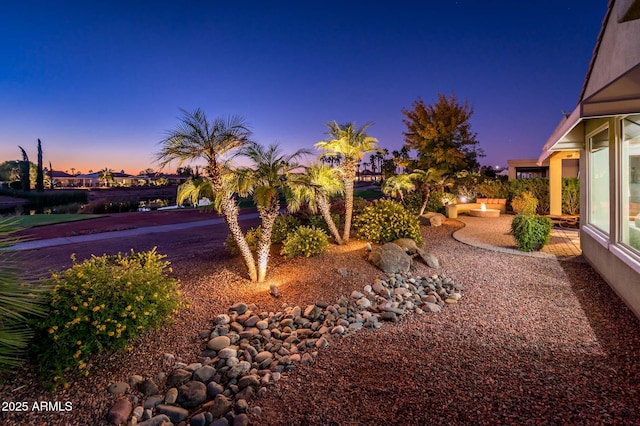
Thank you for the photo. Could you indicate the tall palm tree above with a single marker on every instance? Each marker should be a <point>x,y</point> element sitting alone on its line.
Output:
<point>215,141</point>
<point>396,186</point>
<point>350,144</point>
<point>270,175</point>
<point>320,184</point>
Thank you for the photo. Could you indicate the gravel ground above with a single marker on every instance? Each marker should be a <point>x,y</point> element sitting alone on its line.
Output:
<point>533,341</point>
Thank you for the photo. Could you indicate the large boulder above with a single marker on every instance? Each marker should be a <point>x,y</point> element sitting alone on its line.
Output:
<point>391,258</point>
<point>412,249</point>
<point>432,219</point>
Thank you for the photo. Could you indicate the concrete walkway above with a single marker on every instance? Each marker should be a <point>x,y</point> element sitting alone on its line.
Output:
<point>38,244</point>
<point>495,234</point>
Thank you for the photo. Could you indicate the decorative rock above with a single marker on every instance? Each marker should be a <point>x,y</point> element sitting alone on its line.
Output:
<point>241,420</point>
<point>356,295</point>
<point>343,271</point>
<point>135,380</point>
<point>118,388</point>
<point>263,356</point>
<point>252,321</point>
<point>249,380</point>
<point>192,394</point>
<point>241,406</point>
<point>204,374</point>
<point>432,307</point>
<point>220,422</point>
<point>119,412</point>
<point>273,289</point>
<point>391,259</point>
<point>227,353</point>
<point>171,396</point>
<point>429,259</point>
<point>322,343</point>
<point>152,401</point>
<point>220,407</point>
<point>390,316</point>
<point>222,319</point>
<point>158,420</point>
<point>148,387</point>
<point>239,308</point>
<point>307,359</point>
<point>199,419</point>
<point>175,414</point>
<point>168,358</point>
<point>214,389</point>
<point>138,412</point>
<point>363,303</point>
<point>178,377</point>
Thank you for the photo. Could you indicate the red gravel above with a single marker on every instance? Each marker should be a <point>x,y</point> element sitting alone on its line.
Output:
<point>533,341</point>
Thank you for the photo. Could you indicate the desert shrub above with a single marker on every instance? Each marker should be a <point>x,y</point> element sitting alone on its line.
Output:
<point>438,199</point>
<point>531,232</point>
<point>571,196</point>
<point>493,188</point>
<point>318,222</point>
<point>103,206</point>
<point>538,187</point>
<point>252,236</point>
<point>413,201</point>
<point>282,227</point>
<point>305,241</point>
<point>338,206</point>
<point>387,220</point>
<point>525,204</point>
<point>72,208</point>
<point>100,305</point>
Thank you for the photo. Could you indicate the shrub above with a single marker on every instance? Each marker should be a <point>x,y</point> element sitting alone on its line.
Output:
<point>525,204</point>
<point>493,188</point>
<point>338,206</point>
<point>531,232</point>
<point>103,206</point>
<point>387,220</point>
<point>413,202</point>
<point>282,227</point>
<point>252,236</point>
<point>571,196</point>
<point>100,305</point>
<point>318,222</point>
<point>538,187</point>
<point>437,201</point>
<point>305,241</point>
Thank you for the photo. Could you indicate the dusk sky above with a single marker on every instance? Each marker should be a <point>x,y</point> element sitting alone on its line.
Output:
<point>101,82</point>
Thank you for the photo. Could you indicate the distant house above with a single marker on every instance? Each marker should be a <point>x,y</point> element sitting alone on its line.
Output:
<point>604,131</point>
<point>529,168</point>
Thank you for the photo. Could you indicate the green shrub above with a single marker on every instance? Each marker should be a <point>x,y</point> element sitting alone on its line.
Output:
<point>493,188</point>
<point>305,241</point>
<point>252,236</point>
<point>103,206</point>
<point>571,196</point>
<point>438,199</point>
<point>525,204</point>
<point>387,220</point>
<point>100,305</point>
<point>538,187</point>
<point>318,222</point>
<point>282,227</point>
<point>413,202</point>
<point>531,232</point>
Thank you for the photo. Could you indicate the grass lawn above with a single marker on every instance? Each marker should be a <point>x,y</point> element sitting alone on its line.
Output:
<point>23,222</point>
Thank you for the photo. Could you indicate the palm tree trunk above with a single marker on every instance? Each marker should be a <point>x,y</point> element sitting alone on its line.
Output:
<point>325,210</point>
<point>425,201</point>
<point>348,202</point>
<point>229,211</point>
<point>268,216</point>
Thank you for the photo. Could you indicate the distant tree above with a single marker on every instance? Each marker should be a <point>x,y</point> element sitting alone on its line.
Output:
<point>441,134</point>
<point>106,176</point>
<point>148,171</point>
<point>25,177</point>
<point>40,171</point>
<point>350,144</point>
<point>50,176</point>
<point>184,171</point>
<point>10,171</point>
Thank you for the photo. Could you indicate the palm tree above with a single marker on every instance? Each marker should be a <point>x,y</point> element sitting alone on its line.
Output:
<point>196,137</point>
<point>320,184</point>
<point>426,180</point>
<point>106,176</point>
<point>269,176</point>
<point>396,186</point>
<point>17,300</point>
<point>350,144</point>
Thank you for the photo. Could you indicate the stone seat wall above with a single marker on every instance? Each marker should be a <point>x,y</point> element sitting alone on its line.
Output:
<point>452,210</point>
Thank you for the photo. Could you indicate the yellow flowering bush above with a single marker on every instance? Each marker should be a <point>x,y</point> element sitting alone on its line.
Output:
<point>101,304</point>
<point>386,220</point>
<point>305,241</point>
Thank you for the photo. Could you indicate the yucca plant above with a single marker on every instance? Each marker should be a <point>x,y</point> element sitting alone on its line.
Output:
<point>19,298</point>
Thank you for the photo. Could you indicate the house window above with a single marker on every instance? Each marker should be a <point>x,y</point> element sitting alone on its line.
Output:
<point>631,182</point>
<point>599,180</point>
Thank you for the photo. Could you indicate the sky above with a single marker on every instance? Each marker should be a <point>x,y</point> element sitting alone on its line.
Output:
<point>100,83</point>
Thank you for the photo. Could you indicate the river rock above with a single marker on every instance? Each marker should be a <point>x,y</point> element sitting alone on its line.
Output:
<point>192,394</point>
<point>120,411</point>
<point>175,414</point>
<point>391,258</point>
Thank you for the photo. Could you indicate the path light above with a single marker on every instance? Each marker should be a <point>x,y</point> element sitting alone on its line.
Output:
<point>483,207</point>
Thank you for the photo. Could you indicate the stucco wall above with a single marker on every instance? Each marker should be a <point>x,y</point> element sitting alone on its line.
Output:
<point>624,280</point>
<point>619,51</point>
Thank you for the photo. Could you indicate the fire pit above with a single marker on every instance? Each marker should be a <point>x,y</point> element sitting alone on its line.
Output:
<point>483,211</point>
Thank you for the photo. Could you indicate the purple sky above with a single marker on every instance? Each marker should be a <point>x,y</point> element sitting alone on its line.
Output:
<point>100,82</point>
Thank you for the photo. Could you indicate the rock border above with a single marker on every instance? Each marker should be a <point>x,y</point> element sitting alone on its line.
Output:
<point>247,351</point>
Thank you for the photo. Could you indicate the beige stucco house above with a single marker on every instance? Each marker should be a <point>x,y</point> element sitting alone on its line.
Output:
<point>604,130</point>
